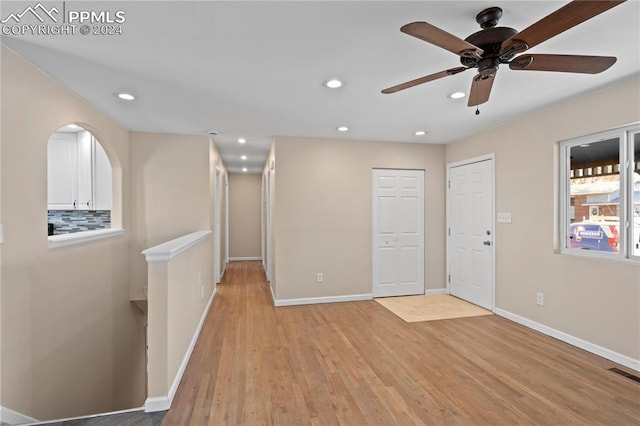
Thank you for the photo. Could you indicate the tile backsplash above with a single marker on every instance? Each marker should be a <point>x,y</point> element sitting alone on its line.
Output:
<point>68,221</point>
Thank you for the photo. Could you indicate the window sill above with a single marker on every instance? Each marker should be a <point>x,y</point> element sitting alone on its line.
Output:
<point>587,254</point>
<point>63,240</point>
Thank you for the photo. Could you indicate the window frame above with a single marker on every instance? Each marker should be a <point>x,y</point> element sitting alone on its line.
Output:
<point>625,136</point>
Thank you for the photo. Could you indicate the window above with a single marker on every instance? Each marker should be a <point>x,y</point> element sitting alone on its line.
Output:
<point>600,194</point>
<point>79,182</point>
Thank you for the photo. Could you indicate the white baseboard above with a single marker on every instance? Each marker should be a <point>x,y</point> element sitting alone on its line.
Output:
<point>11,417</point>
<point>436,291</point>
<point>239,259</point>
<point>273,295</point>
<point>161,403</point>
<point>157,403</point>
<point>572,340</point>
<point>315,300</point>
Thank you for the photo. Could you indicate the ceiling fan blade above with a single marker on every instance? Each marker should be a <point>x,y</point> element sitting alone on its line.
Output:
<point>480,90</point>
<point>568,16</point>
<point>424,79</point>
<point>563,63</point>
<point>441,38</point>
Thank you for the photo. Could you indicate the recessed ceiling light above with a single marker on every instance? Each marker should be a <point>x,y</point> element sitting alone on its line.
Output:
<point>456,95</point>
<point>244,169</point>
<point>343,128</point>
<point>420,133</point>
<point>125,96</point>
<point>243,157</point>
<point>333,83</point>
<point>242,140</point>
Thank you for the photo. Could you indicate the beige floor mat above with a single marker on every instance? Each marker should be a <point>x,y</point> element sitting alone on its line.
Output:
<point>430,308</point>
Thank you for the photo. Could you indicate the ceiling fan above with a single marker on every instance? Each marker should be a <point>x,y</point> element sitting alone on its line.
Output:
<point>493,45</point>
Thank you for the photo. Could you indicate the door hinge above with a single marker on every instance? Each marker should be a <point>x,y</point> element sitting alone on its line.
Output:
<point>449,279</point>
<point>449,231</point>
<point>449,184</point>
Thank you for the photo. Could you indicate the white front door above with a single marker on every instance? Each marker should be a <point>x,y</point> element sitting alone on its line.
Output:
<point>470,232</point>
<point>398,232</point>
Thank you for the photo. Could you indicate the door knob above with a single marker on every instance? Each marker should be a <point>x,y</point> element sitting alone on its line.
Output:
<point>487,243</point>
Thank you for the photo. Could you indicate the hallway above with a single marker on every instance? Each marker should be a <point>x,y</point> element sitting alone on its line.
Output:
<point>356,363</point>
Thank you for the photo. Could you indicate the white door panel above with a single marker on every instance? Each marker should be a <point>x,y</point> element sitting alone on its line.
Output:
<point>471,233</point>
<point>398,232</point>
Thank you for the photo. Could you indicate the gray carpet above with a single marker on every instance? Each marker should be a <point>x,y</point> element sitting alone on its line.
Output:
<point>136,418</point>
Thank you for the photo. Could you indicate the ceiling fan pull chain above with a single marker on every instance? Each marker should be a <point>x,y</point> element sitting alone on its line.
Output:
<point>477,110</point>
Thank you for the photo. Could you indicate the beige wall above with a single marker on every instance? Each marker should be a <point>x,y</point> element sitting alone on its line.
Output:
<point>594,299</point>
<point>72,343</point>
<point>170,192</point>
<point>323,203</point>
<point>244,215</point>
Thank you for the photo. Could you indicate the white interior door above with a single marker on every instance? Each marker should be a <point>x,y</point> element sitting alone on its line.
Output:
<point>217,215</point>
<point>398,232</point>
<point>269,225</point>
<point>471,238</point>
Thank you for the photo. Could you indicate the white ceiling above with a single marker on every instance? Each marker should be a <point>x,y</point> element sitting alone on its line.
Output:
<point>255,69</point>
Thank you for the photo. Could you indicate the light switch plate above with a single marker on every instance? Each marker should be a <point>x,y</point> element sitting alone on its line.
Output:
<point>504,217</point>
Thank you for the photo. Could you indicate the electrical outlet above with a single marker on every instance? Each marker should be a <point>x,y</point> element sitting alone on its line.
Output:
<point>540,299</point>
<point>319,277</point>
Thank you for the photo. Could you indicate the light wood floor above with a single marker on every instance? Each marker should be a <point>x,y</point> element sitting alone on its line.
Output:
<point>356,363</point>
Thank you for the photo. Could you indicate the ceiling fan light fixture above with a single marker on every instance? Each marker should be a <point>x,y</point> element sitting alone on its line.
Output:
<point>333,83</point>
<point>456,95</point>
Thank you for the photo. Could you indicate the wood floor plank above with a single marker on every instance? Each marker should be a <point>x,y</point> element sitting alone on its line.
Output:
<point>356,363</point>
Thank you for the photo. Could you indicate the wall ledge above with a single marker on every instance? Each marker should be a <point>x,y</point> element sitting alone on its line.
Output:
<point>167,251</point>
<point>64,240</point>
<point>572,340</point>
<point>329,299</point>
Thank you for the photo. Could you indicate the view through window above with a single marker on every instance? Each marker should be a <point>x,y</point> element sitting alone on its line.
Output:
<point>601,177</point>
<point>79,182</point>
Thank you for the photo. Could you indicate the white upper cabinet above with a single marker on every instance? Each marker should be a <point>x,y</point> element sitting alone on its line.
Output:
<point>79,173</point>
<point>102,182</point>
<point>62,162</point>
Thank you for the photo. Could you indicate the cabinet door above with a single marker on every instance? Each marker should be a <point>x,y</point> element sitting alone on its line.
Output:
<point>85,170</point>
<point>102,179</point>
<point>62,159</point>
